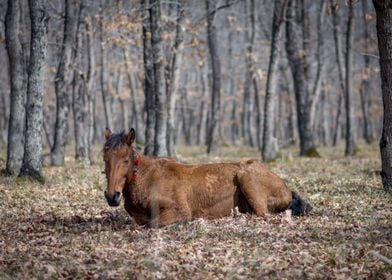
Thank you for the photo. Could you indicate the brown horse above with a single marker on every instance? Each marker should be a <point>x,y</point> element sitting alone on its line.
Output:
<point>161,191</point>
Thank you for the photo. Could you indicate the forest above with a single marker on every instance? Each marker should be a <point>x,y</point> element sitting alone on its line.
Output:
<point>305,87</point>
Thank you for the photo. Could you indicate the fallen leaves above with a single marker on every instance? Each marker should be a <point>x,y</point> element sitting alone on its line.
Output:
<point>66,230</point>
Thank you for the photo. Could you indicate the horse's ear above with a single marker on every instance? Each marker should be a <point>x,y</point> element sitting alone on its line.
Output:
<point>107,133</point>
<point>131,137</point>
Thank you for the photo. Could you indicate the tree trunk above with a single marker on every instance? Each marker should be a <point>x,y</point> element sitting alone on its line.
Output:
<point>339,63</point>
<point>298,66</point>
<point>17,68</point>
<point>63,82</point>
<point>175,65</point>
<point>349,104</point>
<point>365,88</point>
<point>213,141</point>
<point>148,80</point>
<point>90,90</point>
<point>384,35</point>
<point>250,32</point>
<point>202,122</point>
<point>270,143</point>
<point>316,90</point>
<point>106,98</point>
<point>32,162</point>
<point>81,97</point>
<point>160,147</point>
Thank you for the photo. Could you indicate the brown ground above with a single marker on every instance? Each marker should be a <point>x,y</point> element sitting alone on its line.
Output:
<point>65,229</point>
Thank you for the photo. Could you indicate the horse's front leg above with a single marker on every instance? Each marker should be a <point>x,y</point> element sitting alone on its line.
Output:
<point>163,216</point>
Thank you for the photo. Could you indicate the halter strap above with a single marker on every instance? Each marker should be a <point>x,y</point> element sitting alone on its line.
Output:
<point>136,162</point>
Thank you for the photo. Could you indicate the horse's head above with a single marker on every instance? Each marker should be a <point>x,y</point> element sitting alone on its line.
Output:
<point>117,154</point>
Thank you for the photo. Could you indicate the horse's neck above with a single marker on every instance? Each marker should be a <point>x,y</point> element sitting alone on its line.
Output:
<point>138,190</point>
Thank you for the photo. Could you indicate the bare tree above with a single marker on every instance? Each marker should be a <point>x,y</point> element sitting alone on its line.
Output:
<point>250,35</point>
<point>297,48</point>
<point>17,70</point>
<point>341,70</point>
<point>212,145</point>
<point>149,79</point>
<point>160,144</point>
<point>82,95</point>
<point>384,27</point>
<point>106,99</point>
<point>350,122</point>
<point>32,162</point>
<point>175,67</point>
<point>365,88</point>
<point>270,143</point>
<point>63,81</point>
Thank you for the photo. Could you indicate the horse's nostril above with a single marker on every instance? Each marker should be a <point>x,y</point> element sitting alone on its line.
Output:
<point>117,197</point>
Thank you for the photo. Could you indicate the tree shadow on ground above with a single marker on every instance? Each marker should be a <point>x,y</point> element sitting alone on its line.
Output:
<point>105,221</point>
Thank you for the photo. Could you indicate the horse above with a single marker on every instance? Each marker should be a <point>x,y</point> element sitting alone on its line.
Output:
<point>161,191</point>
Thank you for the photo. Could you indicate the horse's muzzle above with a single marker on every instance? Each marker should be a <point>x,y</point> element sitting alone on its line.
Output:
<point>113,200</point>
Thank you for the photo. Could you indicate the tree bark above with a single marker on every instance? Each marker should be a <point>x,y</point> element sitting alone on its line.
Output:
<point>250,26</point>
<point>106,98</point>
<point>213,131</point>
<point>160,144</point>
<point>297,62</point>
<point>270,143</point>
<point>349,104</point>
<point>316,91</point>
<point>384,35</point>
<point>339,63</point>
<point>149,80</point>
<point>17,73</point>
<point>81,96</point>
<point>63,82</point>
<point>134,102</point>
<point>175,67</point>
<point>32,162</point>
<point>365,88</point>
<point>90,83</point>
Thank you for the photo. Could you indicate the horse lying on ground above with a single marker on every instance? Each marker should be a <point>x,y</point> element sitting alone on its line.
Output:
<point>161,191</point>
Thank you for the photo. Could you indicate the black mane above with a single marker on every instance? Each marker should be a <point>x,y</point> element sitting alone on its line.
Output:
<point>116,141</point>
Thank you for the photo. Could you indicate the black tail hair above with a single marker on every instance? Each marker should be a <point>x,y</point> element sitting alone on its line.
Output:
<point>298,206</point>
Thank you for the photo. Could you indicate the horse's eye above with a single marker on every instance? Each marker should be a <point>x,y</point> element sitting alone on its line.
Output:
<point>126,161</point>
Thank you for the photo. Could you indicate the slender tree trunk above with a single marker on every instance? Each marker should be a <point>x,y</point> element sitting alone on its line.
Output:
<point>160,147</point>
<point>250,32</point>
<point>384,35</point>
<point>316,90</point>
<point>298,67</point>
<point>81,98</point>
<point>270,143</point>
<point>213,141</point>
<point>339,63</point>
<point>17,68</point>
<point>106,98</point>
<point>202,110</point>
<point>134,103</point>
<point>350,121</point>
<point>32,162</point>
<point>63,82</point>
<point>174,78</point>
<point>365,84</point>
<point>149,80</point>
<point>90,83</point>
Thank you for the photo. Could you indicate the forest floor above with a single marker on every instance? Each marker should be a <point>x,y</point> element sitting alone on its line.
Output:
<point>65,229</point>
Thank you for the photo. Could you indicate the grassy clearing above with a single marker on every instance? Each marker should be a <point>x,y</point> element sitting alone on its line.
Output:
<point>65,229</point>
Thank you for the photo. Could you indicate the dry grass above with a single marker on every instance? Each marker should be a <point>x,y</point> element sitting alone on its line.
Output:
<point>65,229</point>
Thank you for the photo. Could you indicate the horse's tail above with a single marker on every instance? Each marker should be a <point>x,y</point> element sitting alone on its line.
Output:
<point>298,206</point>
